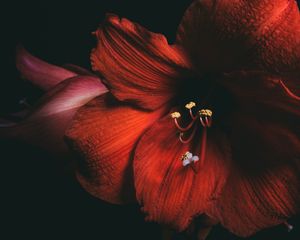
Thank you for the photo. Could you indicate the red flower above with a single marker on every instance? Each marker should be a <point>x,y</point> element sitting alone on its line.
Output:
<point>234,156</point>
<point>239,59</point>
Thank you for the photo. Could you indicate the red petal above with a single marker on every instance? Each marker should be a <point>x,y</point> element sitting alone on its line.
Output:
<point>40,73</point>
<point>169,192</point>
<point>104,134</point>
<point>265,188</point>
<point>138,65</point>
<point>227,35</point>
<point>264,94</point>
<point>265,136</point>
<point>46,123</point>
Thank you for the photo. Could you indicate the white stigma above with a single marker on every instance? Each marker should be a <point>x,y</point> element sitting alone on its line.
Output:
<point>188,158</point>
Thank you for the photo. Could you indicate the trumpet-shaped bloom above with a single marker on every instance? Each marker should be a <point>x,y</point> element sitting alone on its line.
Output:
<point>207,126</point>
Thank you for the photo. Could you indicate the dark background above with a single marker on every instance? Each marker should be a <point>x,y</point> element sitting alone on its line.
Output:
<point>38,200</point>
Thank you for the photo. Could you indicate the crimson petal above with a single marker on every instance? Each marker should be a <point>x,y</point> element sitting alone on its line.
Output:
<point>103,134</point>
<point>264,189</point>
<point>227,35</point>
<point>169,192</point>
<point>139,66</point>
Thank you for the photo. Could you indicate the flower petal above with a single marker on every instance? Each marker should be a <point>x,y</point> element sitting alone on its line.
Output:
<point>228,35</point>
<point>70,94</point>
<point>264,94</point>
<point>40,73</point>
<point>104,133</point>
<point>264,189</point>
<point>46,123</point>
<point>139,66</point>
<point>169,192</point>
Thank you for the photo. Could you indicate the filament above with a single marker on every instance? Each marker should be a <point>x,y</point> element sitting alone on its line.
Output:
<point>189,138</point>
<point>202,122</point>
<point>184,129</point>
<point>192,115</point>
<point>288,91</point>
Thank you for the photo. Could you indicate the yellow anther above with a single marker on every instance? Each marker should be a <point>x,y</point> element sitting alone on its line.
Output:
<point>190,105</point>
<point>205,113</point>
<point>187,155</point>
<point>175,115</point>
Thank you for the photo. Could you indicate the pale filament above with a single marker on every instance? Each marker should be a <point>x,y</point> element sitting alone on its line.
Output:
<point>288,91</point>
<point>205,121</point>
<point>202,122</point>
<point>190,138</point>
<point>208,121</point>
<point>184,129</point>
<point>192,114</point>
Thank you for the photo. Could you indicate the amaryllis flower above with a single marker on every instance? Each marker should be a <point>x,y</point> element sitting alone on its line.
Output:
<point>229,151</point>
<point>207,127</point>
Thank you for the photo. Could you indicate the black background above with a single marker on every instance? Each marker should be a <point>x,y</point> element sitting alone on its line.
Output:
<point>40,201</point>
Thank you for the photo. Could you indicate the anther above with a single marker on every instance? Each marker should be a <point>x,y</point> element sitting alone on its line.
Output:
<point>189,106</point>
<point>175,115</point>
<point>205,112</point>
<point>205,116</point>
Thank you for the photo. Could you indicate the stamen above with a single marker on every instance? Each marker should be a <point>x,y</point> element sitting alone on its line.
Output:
<point>184,129</point>
<point>208,121</point>
<point>175,116</point>
<point>202,122</point>
<point>205,114</point>
<point>184,141</point>
<point>288,91</point>
<point>189,106</point>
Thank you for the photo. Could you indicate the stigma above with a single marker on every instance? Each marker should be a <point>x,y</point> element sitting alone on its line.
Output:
<point>188,158</point>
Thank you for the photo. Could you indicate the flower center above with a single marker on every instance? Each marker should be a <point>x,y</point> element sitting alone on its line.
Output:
<point>198,118</point>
